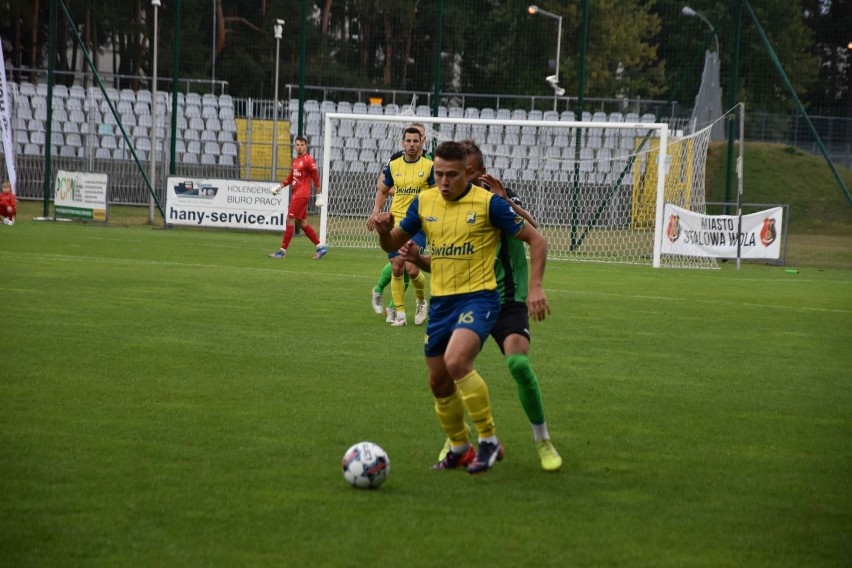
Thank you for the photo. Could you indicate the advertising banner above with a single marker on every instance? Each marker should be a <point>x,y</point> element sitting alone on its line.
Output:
<point>222,203</point>
<point>6,124</point>
<point>694,234</point>
<point>81,195</point>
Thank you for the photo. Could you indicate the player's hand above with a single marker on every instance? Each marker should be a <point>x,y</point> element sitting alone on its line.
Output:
<point>383,222</point>
<point>495,184</point>
<point>277,190</point>
<point>410,251</point>
<point>371,221</point>
<point>537,304</point>
<point>320,202</point>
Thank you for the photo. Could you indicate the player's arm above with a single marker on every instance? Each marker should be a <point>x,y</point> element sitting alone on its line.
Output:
<point>537,303</point>
<point>287,181</point>
<point>411,253</point>
<point>498,189</point>
<point>319,201</point>
<point>383,189</point>
<point>391,238</point>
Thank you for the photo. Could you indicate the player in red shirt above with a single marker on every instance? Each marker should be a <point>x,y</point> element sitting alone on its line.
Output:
<point>8,204</point>
<point>302,173</point>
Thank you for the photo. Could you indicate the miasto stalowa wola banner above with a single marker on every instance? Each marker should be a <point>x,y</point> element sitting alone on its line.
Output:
<point>694,234</point>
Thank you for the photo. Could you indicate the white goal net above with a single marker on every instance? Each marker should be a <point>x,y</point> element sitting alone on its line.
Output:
<point>594,187</point>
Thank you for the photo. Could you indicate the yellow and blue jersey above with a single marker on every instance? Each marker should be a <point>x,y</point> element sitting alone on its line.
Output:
<point>408,179</point>
<point>463,236</point>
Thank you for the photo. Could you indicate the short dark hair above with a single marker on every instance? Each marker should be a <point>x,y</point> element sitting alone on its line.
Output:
<point>451,151</point>
<point>473,152</point>
<point>302,138</point>
<point>412,130</point>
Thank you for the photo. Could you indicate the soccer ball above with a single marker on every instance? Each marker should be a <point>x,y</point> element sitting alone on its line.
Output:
<point>366,465</point>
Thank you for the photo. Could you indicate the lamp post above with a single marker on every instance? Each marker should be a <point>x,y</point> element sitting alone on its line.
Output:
<point>213,53</point>
<point>552,79</point>
<point>279,30</point>
<point>152,162</point>
<point>708,101</point>
<point>687,11</point>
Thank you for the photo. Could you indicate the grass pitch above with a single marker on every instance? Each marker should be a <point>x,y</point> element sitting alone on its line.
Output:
<point>175,397</point>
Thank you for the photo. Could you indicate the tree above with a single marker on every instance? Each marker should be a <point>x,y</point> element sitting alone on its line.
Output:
<point>830,23</point>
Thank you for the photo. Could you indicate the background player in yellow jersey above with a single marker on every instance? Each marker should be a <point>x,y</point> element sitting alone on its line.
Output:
<point>387,271</point>
<point>406,176</point>
<point>463,224</point>
<point>511,332</point>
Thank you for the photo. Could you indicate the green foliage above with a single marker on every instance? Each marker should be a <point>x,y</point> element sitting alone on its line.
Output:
<point>175,397</point>
<point>778,174</point>
<point>635,49</point>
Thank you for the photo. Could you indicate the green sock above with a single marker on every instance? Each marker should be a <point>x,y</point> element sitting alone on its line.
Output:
<point>384,279</point>
<point>529,392</point>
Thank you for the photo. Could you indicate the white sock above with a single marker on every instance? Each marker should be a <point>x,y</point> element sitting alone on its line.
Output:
<point>540,432</point>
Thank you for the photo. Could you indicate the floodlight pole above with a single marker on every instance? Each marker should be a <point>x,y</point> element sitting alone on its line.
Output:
<point>687,11</point>
<point>533,9</point>
<point>152,162</point>
<point>278,28</point>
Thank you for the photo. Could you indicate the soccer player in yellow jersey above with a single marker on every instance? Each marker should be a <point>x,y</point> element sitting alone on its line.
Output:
<point>406,176</point>
<point>512,330</point>
<point>463,223</point>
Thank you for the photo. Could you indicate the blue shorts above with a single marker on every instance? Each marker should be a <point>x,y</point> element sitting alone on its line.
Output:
<point>419,239</point>
<point>477,312</point>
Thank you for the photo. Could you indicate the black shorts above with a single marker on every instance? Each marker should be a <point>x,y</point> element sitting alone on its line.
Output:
<point>514,319</point>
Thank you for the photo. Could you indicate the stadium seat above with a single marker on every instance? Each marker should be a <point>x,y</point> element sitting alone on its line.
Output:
<point>208,111</point>
<point>535,115</point>
<point>226,160</point>
<point>103,153</point>
<point>193,99</point>
<point>211,148</point>
<point>27,88</point>
<point>192,111</point>
<point>189,158</point>
<point>550,115</point>
<point>229,149</point>
<point>471,112</point>
<point>32,149</point>
<point>209,99</point>
<point>392,109</point>
<point>225,136</point>
<point>208,159</point>
<point>486,113</point>
<point>519,114</point>
<point>357,166</point>
<point>191,134</point>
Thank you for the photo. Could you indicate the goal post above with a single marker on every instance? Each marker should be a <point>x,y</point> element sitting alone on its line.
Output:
<point>594,186</point>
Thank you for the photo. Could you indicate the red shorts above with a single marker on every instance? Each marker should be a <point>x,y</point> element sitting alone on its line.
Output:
<point>298,207</point>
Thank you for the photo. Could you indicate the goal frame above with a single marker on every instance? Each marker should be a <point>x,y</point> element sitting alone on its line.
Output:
<point>660,130</point>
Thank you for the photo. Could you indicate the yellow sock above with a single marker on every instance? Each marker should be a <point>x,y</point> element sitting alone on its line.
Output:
<point>398,293</point>
<point>419,286</point>
<point>450,411</point>
<point>475,396</point>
